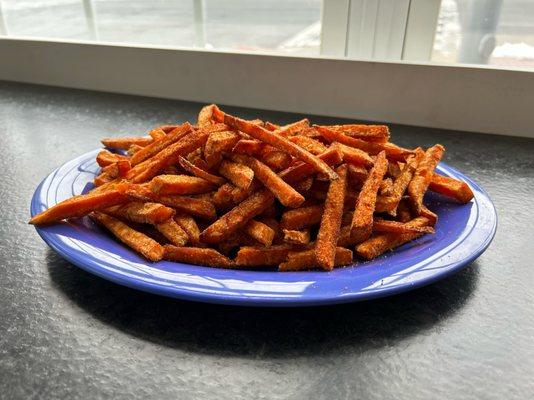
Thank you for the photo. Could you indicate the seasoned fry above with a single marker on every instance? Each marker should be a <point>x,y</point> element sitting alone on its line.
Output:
<point>249,256</point>
<point>143,213</point>
<point>105,158</point>
<point>134,148</point>
<point>205,116</point>
<point>217,144</point>
<point>260,232</point>
<point>423,175</point>
<point>275,140</point>
<point>277,160</point>
<point>200,173</point>
<point>138,241</point>
<point>237,217</point>
<point>325,245</point>
<point>370,133</point>
<point>159,144</point>
<point>310,144</point>
<point>296,237</point>
<point>189,225</point>
<point>354,156</point>
<point>81,205</point>
<point>157,134</point>
<point>304,260</point>
<point>451,187</point>
<point>379,244</point>
<point>179,184</point>
<point>249,147</point>
<point>173,232</point>
<point>197,255</point>
<point>300,218</point>
<point>362,221</point>
<point>384,226</point>
<point>124,143</point>
<point>237,173</point>
<point>332,156</point>
<point>386,187</point>
<point>284,192</point>
<point>391,202</point>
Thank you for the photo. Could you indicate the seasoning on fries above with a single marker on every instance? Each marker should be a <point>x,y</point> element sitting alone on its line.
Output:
<point>232,193</point>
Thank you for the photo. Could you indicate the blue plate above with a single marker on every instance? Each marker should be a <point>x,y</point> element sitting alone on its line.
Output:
<point>462,234</point>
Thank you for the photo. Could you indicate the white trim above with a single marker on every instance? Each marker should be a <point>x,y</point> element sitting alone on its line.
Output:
<point>420,30</point>
<point>334,25</point>
<point>469,98</point>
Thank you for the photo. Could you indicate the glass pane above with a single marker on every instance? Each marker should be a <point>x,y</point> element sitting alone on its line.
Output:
<point>292,26</point>
<point>493,32</point>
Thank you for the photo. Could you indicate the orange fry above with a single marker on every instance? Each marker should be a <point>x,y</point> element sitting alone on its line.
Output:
<point>384,226</point>
<point>423,175</point>
<point>332,156</point>
<point>293,128</point>
<point>124,143</point>
<point>362,220</point>
<point>284,192</point>
<point>189,225</point>
<point>303,260</point>
<point>277,160</point>
<point>237,173</point>
<point>179,184</point>
<point>173,232</point>
<point>249,147</point>
<point>260,232</point>
<point>217,144</point>
<point>157,134</point>
<point>379,244</point>
<point>160,144</point>
<point>451,187</point>
<point>205,116</point>
<point>275,140</point>
<point>296,237</point>
<point>81,205</point>
<point>325,245</point>
<point>237,217</point>
<point>200,173</point>
<point>138,241</point>
<point>197,255</point>
<point>370,133</point>
<point>143,213</point>
<point>303,217</point>
<point>354,156</point>
<point>249,256</point>
<point>310,144</point>
<point>105,158</point>
<point>390,202</point>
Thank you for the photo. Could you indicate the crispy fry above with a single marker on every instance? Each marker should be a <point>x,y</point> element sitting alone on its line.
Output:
<point>271,126</point>
<point>144,213</point>
<point>423,175</point>
<point>451,187</point>
<point>173,232</point>
<point>303,260</point>
<point>325,245</point>
<point>260,232</point>
<point>277,160</point>
<point>200,173</point>
<point>391,201</point>
<point>179,184</point>
<point>310,144</point>
<point>249,147</point>
<point>237,217</point>
<point>237,173</point>
<point>189,225</point>
<point>105,158</point>
<point>138,241</point>
<point>293,128</point>
<point>124,143</point>
<point>379,244</point>
<point>296,237</point>
<point>386,187</point>
<point>384,226</point>
<point>301,217</point>
<point>369,133</point>
<point>134,148</point>
<point>275,140</point>
<point>217,144</point>
<point>431,216</point>
<point>170,155</point>
<point>362,221</point>
<point>157,134</point>
<point>205,116</point>
<point>249,256</point>
<point>354,156</point>
<point>81,205</point>
<point>288,196</point>
<point>332,156</point>
<point>159,144</point>
<point>197,255</point>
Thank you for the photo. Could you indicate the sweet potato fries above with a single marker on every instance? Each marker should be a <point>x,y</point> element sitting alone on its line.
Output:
<point>232,193</point>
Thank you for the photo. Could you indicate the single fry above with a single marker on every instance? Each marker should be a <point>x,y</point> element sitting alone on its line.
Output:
<point>81,205</point>
<point>260,232</point>
<point>385,226</point>
<point>296,237</point>
<point>143,213</point>
<point>217,144</point>
<point>354,156</point>
<point>423,175</point>
<point>189,225</point>
<point>250,147</point>
<point>179,184</point>
<point>239,174</point>
<point>237,217</point>
<point>325,245</point>
<point>284,192</point>
<point>304,260</point>
<point>379,244</point>
<point>451,187</point>
<point>105,158</point>
<point>293,128</point>
<point>200,173</point>
<point>161,143</point>
<point>157,134</point>
<point>275,140</point>
<point>249,256</point>
<point>124,143</point>
<point>277,160</point>
<point>138,241</point>
<point>310,144</point>
<point>300,218</point>
<point>205,116</point>
<point>362,220</point>
<point>173,232</point>
<point>369,133</point>
<point>197,255</point>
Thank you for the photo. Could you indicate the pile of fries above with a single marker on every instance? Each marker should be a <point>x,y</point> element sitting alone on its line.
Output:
<point>233,193</point>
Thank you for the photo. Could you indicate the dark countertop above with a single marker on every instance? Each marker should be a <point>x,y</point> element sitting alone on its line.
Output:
<point>67,334</point>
